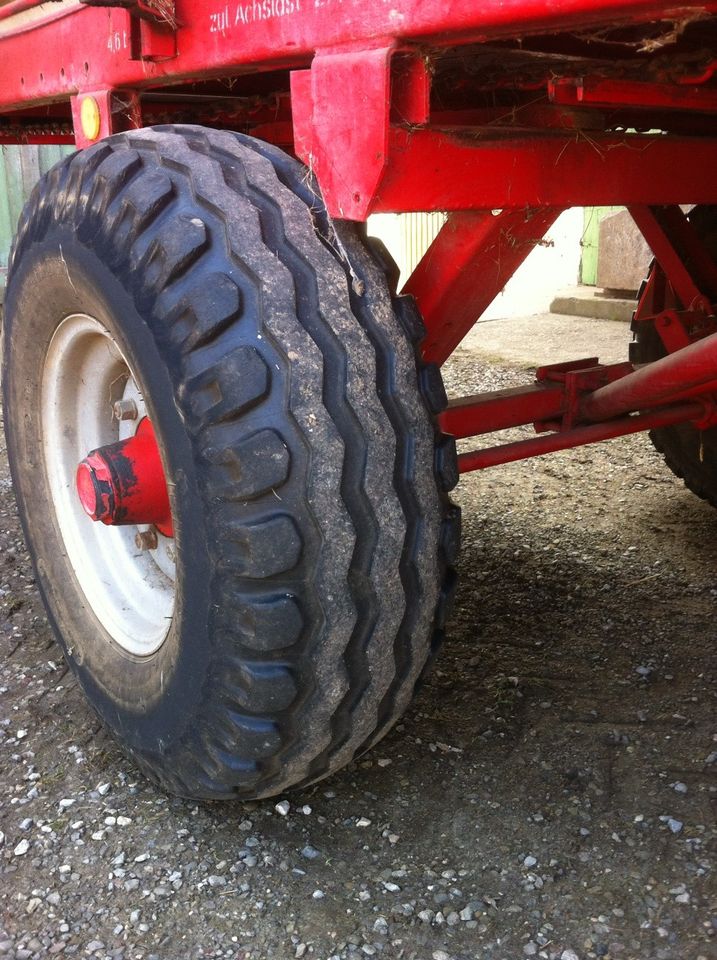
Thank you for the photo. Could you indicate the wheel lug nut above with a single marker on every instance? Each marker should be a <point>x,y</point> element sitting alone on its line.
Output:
<point>125,410</point>
<point>146,540</point>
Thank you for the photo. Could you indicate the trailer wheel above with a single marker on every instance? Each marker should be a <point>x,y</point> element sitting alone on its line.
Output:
<point>275,623</point>
<point>691,454</point>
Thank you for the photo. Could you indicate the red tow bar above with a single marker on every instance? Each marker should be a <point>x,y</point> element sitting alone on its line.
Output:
<point>124,483</point>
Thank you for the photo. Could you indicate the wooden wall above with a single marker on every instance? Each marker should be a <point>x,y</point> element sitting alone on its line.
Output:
<point>20,168</point>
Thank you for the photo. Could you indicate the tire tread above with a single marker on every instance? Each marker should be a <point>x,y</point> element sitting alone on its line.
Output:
<point>198,216</point>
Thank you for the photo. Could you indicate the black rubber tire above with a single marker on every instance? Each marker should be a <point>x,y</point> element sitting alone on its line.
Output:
<point>690,454</point>
<point>314,534</point>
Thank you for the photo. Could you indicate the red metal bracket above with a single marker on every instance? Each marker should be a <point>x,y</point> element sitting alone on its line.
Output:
<point>578,377</point>
<point>678,329</point>
<point>466,267</point>
<point>688,266</point>
<point>689,372</point>
<point>153,27</point>
<point>672,330</point>
<point>410,90</point>
<point>341,122</point>
<point>117,110</point>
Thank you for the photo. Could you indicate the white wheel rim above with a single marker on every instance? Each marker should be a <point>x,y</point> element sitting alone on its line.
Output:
<point>130,591</point>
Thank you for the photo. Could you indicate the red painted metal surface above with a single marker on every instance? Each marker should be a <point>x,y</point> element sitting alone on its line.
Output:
<point>216,38</point>
<point>586,402</point>
<point>599,92</point>
<point>466,267</point>
<point>578,378</point>
<point>375,167</point>
<point>579,436</point>
<point>664,381</point>
<point>568,398</point>
<point>653,228</point>
<point>502,409</point>
<point>14,7</point>
<point>357,90</point>
<point>672,330</point>
<point>360,111</point>
<point>434,171</point>
<point>349,157</point>
<point>583,402</point>
<point>688,266</point>
<point>123,483</point>
<point>37,137</point>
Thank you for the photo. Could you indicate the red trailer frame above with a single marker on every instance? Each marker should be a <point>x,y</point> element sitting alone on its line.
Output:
<point>216,337</point>
<point>501,114</point>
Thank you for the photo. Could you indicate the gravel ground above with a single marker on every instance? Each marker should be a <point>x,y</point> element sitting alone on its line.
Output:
<point>550,793</point>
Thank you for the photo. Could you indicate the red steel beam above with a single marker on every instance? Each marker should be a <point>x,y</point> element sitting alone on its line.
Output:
<point>664,381</point>
<point>553,404</point>
<point>686,262</point>
<point>599,92</point>
<point>501,409</point>
<point>29,139</point>
<point>429,170</point>
<point>579,436</point>
<point>671,261</point>
<point>545,404</point>
<point>466,267</point>
<point>215,38</point>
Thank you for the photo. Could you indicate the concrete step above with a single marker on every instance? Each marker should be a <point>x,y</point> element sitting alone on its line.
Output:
<point>592,302</point>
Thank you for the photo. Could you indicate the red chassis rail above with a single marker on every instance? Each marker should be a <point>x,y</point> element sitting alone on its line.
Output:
<point>70,46</point>
<point>501,113</point>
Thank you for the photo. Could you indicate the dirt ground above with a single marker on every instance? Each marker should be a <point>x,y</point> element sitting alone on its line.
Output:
<point>550,793</point>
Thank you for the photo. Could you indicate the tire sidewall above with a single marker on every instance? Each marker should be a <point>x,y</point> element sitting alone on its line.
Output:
<point>147,701</point>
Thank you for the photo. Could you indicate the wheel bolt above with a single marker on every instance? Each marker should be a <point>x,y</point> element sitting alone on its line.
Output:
<point>146,540</point>
<point>125,410</point>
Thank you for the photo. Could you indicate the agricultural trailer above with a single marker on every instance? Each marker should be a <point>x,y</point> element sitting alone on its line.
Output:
<point>227,430</point>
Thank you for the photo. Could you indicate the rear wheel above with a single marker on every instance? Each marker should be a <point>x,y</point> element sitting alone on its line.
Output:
<point>690,453</point>
<point>278,621</point>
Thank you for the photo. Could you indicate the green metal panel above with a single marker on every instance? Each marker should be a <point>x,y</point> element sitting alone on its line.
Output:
<point>591,235</point>
<point>20,169</point>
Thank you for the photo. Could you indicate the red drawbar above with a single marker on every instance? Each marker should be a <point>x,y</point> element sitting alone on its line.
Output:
<point>124,483</point>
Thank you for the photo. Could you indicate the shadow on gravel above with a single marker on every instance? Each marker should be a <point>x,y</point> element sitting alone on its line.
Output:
<point>548,793</point>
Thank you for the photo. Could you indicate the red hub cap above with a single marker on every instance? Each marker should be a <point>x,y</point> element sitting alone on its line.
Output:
<point>124,483</point>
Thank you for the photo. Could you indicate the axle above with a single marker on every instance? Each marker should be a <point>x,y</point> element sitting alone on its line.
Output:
<point>586,402</point>
<point>580,436</point>
<point>580,402</point>
<point>123,483</point>
<point>680,374</point>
